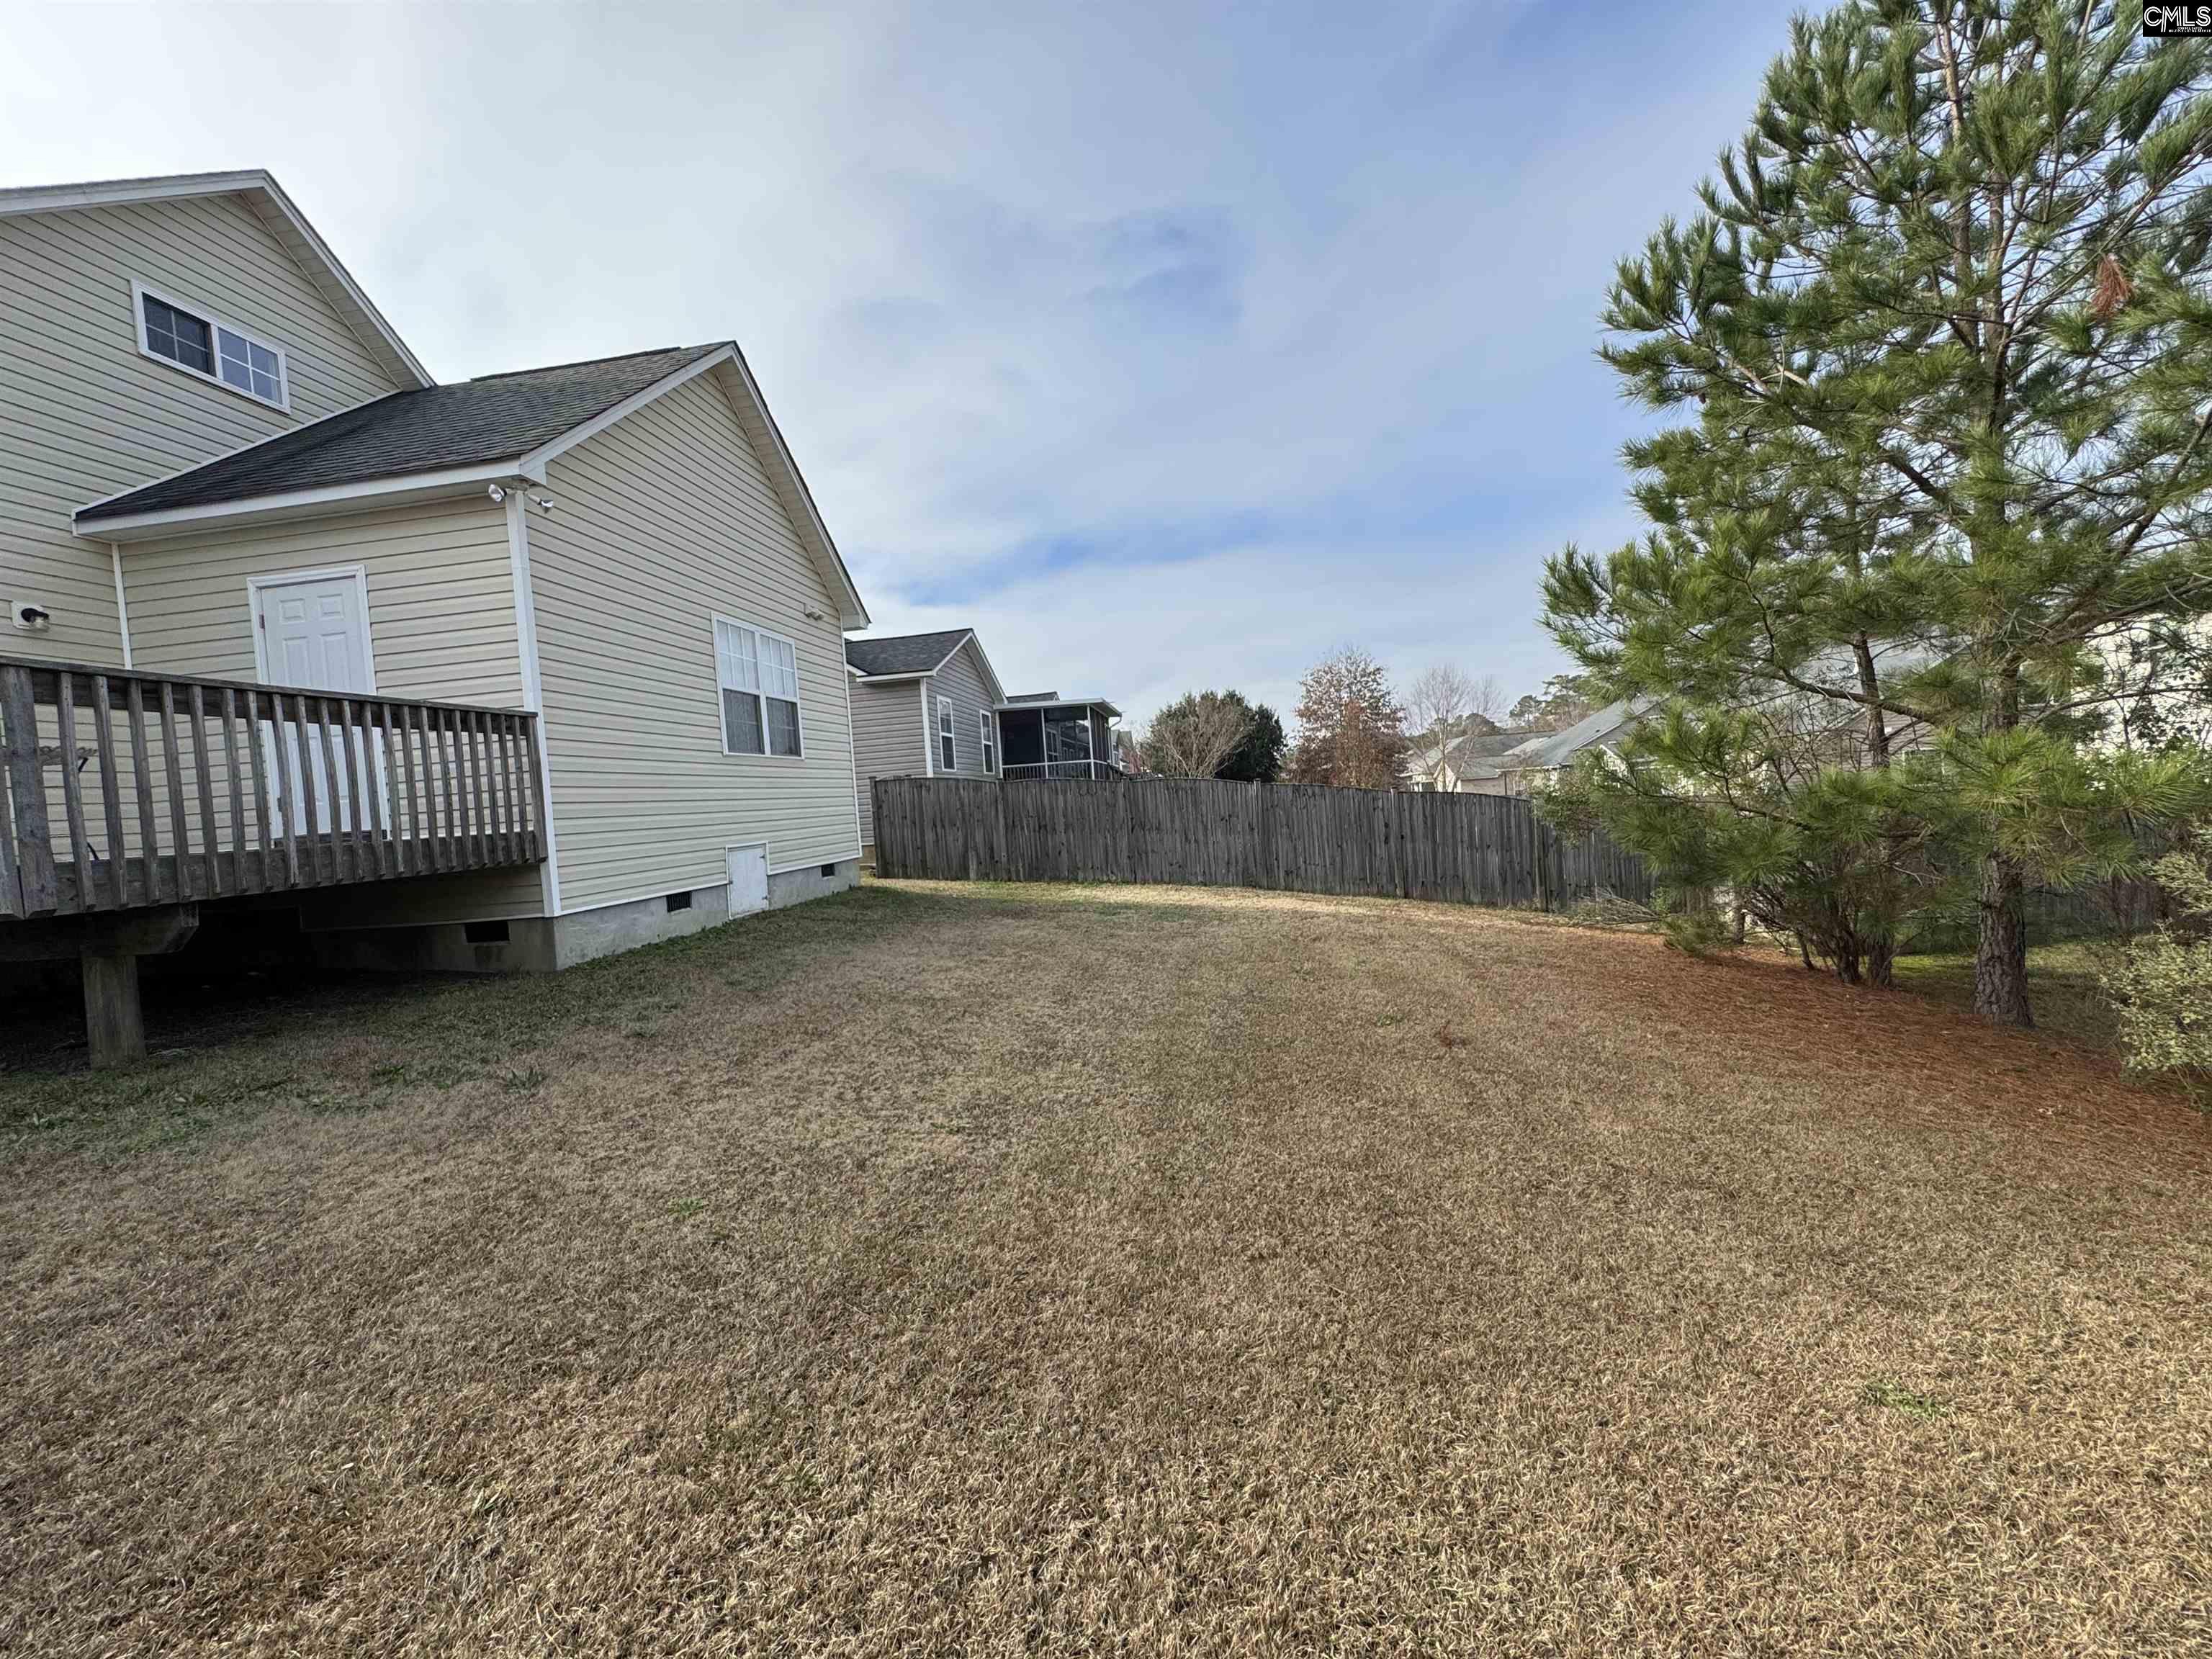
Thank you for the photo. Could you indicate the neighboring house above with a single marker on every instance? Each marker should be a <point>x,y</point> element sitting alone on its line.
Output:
<point>1468,766</point>
<point>924,705</point>
<point>930,706</point>
<point>1530,766</point>
<point>1050,736</point>
<point>596,602</point>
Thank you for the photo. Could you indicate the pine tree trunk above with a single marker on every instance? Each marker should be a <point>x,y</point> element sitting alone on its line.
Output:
<point>1882,961</point>
<point>2001,959</point>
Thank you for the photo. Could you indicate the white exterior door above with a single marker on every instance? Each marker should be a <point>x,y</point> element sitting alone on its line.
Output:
<point>747,879</point>
<point>314,632</point>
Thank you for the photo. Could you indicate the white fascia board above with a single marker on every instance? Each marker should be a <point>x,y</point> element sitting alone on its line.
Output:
<point>301,503</point>
<point>266,195</point>
<point>1062,702</point>
<point>538,457</point>
<point>274,193</point>
<point>109,192</point>
<point>852,613</point>
<point>998,690</point>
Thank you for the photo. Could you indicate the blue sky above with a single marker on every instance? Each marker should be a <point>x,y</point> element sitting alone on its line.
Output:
<point>1168,346</point>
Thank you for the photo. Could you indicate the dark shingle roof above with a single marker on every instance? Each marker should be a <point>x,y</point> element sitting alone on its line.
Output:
<point>497,418</point>
<point>1486,745</point>
<point>1602,728</point>
<point>903,653</point>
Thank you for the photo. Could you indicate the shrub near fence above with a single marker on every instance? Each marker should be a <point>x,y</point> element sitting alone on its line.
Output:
<point>1471,849</point>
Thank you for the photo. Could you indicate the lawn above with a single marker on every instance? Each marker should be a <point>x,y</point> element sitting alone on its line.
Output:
<point>974,1270</point>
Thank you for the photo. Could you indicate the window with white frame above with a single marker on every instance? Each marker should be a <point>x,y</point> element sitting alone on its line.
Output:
<point>990,740</point>
<point>759,675</point>
<point>194,339</point>
<point>947,758</point>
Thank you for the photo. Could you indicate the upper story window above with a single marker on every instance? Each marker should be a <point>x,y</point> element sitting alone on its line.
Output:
<point>192,339</point>
<point>947,760</point>
<point>759,675</point>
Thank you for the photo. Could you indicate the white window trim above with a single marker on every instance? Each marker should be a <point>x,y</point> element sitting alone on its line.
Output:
<point>989,740</point>
<point>141,292</point>
<point>721,714</point>
<point>945,737</point>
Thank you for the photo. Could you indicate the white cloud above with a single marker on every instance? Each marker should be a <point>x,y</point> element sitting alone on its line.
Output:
<point>1169,350</point>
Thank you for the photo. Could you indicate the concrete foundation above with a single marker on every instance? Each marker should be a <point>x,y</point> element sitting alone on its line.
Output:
<point>545,944</point>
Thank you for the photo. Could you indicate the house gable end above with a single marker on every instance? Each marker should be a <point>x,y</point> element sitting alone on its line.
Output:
<point>662,529</point>
<point>98,412</point>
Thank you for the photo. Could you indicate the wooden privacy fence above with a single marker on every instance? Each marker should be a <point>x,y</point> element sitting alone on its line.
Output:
<point>1473,849</point>
<point>127,789</point>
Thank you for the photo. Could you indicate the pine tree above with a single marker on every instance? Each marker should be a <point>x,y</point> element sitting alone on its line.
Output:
<point>1943,327</point>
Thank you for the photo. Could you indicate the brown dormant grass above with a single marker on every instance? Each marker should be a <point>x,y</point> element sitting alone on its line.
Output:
<point>1081,1271</point>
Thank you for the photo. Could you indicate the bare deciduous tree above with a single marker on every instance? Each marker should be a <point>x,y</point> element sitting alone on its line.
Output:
<point>1193,735</point>
<point>1445,702</point>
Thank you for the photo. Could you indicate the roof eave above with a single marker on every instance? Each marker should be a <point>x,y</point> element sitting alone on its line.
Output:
<point>274,210</point>
<point>997,689</point>
<point>791,485</point>
<point>396,491</point>
<point>1062,702</point>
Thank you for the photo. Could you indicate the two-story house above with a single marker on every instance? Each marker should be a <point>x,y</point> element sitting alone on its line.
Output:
<point>507,673</point>
<point>930,704</point>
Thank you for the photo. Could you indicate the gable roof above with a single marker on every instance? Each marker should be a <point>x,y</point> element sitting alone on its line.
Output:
<point>268,203</point>
<point>498,417</point>
<point>1561,747</point>
<point>1484,745</point>
<point>419,446</point>
<point>905,655</point>
<point>1475,756</point>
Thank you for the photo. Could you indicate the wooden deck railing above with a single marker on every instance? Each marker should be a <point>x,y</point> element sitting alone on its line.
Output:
<point>126,789</point>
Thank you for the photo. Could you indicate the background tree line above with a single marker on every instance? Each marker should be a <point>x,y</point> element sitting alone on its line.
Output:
<point>1354,730</point>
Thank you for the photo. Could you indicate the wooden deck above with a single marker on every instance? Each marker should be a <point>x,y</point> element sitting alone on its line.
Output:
<point>128,790</point>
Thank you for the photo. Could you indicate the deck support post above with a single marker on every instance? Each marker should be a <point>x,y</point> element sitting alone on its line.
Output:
<point>107,948</point>
<point>114,1025</point>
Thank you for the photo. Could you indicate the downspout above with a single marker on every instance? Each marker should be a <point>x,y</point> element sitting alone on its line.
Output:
<point>533,687</point>
<point>122,610</point>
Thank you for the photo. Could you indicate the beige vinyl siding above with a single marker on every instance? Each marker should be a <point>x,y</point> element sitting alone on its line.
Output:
<point>85,414</point>
<point>663,521</point>
<point>440,624</point>
<point>440,596</point>
<point>887,739</point>
<point>962,680</point>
